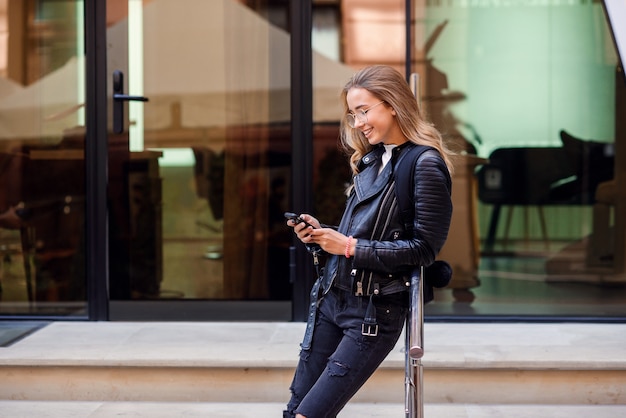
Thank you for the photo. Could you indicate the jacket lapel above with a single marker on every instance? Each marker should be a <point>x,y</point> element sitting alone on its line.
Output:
<point>368,182</point>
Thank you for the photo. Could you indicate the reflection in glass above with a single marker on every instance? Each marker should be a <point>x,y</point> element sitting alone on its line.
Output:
<point>222,132</point>
<point>41,157</point>
<point>526,92</point>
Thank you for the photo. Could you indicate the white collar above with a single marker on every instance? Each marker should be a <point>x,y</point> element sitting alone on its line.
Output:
<point>387,155</point>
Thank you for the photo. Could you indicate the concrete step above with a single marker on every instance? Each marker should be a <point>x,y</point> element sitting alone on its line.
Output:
<point>212,363</point>
<point>266,384</point>
<point>56,409</point>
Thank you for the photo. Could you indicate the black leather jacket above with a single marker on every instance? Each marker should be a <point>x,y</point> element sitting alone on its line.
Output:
<point>384,252</point>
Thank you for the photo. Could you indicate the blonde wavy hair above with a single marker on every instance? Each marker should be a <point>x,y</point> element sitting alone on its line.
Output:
<point>388,85</point>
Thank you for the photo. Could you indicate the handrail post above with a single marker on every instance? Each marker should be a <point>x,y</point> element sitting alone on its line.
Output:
<point>414,348</point>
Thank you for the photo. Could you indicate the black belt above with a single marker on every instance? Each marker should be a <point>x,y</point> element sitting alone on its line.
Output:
<point>370,326</point>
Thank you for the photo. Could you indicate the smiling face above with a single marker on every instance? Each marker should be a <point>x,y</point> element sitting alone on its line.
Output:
<point>380,125</point>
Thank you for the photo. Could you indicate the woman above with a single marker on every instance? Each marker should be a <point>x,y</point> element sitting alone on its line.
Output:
<point>371,253</point>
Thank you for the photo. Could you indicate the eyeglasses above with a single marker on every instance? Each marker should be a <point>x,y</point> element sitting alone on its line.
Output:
<point>360,114</point>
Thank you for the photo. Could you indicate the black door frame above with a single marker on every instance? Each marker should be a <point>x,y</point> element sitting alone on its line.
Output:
<point>96,157</point>
<point>302,275</point>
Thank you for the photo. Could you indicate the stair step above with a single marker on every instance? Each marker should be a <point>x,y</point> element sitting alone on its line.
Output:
<point>64,409</point>
<point>260,384</point>
<point>207,363</point>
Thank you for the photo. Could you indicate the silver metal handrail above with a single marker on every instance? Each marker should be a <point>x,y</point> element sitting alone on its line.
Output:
<point>414,348</point>
<point>414,329</point>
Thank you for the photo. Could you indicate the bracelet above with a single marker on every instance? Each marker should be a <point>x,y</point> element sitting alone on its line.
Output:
<point>347,253</point>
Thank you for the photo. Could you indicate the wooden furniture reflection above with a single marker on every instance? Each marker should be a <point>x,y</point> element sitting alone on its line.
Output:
<point>43,199</point>
<point>47,186</point>
<point>135,218</point>
<point>462,249</point>
<point>20,246</point>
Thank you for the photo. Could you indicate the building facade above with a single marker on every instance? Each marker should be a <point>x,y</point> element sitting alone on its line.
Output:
<point>150,147</point>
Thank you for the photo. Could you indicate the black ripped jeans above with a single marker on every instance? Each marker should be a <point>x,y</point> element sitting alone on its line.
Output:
<point>341,359</point>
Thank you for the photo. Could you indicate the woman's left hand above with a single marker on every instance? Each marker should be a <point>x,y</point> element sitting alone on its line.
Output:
<point>331,241</point>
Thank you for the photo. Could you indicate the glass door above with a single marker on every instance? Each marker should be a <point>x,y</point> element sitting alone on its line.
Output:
<point>199,160</point>
<point>42,159</point>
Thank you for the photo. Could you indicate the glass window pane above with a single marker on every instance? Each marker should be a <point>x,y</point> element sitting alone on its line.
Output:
<point>42,187</point>
<point>217,78</point>
<point>526,93</point>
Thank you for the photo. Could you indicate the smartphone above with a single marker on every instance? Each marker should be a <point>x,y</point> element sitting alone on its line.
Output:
<point>296,218</point>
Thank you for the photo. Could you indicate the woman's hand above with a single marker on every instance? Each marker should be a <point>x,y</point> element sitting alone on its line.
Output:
<point>331,241</point>
<point>301,228</point>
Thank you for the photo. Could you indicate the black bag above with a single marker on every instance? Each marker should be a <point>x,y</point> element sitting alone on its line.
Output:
<point>439,273</point>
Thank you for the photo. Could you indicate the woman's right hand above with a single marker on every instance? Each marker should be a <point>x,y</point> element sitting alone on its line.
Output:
<point>301,229</point>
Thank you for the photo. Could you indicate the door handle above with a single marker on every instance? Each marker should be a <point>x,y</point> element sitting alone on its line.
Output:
<point>118,101</point>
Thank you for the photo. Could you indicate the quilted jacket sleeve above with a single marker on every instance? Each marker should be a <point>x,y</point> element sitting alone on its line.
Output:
<point>433,213</point>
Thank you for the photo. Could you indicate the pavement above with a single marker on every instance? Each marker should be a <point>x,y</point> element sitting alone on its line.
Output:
<point>15,409</point>
<point>525,346</point>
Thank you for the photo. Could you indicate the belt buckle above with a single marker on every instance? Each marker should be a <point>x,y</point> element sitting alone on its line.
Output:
<point>369,330</point>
